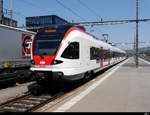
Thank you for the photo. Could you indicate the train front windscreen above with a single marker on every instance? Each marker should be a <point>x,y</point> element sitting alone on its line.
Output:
<point>48,40</point>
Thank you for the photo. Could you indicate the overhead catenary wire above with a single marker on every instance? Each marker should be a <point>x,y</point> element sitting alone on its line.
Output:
<point>70,10</point>
<point>91,10</point>
<point>36,6</point>
<point>91,29</point>
<point>20,14</point>
<point>31,4</point>
<point>44,9</point>
<point>7,12</point>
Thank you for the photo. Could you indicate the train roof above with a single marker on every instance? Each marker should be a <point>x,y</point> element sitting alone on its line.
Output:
<point>67,26</point>
<point>59,27</point>
<point>56,26</point>
<point>110,47</point>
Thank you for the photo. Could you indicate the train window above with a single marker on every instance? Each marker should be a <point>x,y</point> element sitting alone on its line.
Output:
<point>46,47</point>
<point>94,53</point>
<point>48,40</point>
<point>116,54</point>
<point>72,51</point>
<point>105,54</point>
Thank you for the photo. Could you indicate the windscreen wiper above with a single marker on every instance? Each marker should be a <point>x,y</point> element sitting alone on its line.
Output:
<point>42,55</point>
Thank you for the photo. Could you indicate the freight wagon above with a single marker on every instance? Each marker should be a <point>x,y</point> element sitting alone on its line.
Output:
<point>14,52</point>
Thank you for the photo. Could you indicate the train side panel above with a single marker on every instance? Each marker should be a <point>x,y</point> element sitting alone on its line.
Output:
<point>11,43</point>
<point>78,55</point>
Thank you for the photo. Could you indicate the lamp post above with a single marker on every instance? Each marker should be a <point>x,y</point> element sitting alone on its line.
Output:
<point>11,12</point>
<point>137,21</point>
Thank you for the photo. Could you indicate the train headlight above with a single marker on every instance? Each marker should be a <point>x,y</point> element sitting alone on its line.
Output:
<point>32,62</point>
<point>54,62</point>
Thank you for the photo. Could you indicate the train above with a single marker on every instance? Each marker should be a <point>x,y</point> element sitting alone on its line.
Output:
<point>63,54</point>
<point>15,55</point>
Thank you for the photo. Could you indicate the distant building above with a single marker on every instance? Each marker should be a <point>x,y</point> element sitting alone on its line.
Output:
<point>9,22</point>
<point>1,10</point>
<point>36,22</point>
<point>4,20</point>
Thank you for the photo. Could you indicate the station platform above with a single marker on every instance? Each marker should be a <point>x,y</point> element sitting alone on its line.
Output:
<point>123,88</point>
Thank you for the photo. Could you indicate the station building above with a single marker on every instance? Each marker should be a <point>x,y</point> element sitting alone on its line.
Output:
<point>5,20</point>
<point>37,22</point>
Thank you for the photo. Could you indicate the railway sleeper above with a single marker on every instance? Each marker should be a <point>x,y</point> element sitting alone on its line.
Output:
<point>23,105</point>
<point>31,101</point>
<point>39,99</point>
<point>35,89</point>
<point>14,109</point>
<point>46,96</point>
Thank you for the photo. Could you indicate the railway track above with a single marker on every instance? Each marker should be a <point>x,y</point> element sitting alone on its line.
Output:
<point>32,103</point>
<point>28,102</point>
<point>10,78</point>
<point>146,58</point>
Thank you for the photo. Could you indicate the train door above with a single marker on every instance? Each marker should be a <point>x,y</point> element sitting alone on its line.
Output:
<point>108,57</point>
<point>101,57</point>
<point>85,57</point>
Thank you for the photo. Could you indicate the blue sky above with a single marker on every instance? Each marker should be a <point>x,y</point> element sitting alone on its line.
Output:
<point>106,9</point>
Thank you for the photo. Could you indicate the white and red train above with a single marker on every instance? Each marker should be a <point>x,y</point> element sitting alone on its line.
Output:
<point>65,53</point>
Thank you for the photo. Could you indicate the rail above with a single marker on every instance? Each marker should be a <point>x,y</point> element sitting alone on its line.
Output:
<point>32,103</point>
<point>28,102</point>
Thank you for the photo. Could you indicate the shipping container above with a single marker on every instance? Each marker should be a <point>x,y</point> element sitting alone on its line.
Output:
<point>15,47</point>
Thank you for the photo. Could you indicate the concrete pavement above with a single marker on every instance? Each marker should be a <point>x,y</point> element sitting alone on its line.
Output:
<point>127,89</point>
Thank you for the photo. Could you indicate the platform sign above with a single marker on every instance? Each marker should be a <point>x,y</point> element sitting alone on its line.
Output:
<point>26,44</point>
